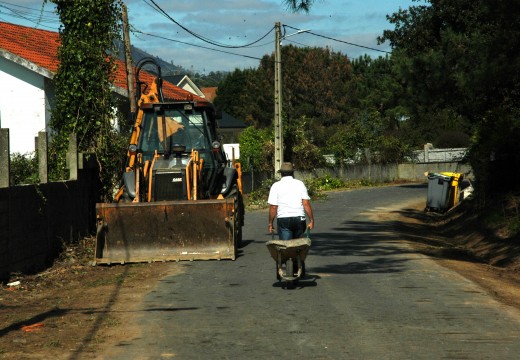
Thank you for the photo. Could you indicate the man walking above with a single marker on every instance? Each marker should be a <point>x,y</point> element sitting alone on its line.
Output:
<point>289,201</point>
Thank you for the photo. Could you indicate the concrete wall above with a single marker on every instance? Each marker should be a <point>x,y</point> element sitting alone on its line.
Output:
<point>36,221</point>
<point>375,173</point>
<point>388,172</point>
<point>430,154</point>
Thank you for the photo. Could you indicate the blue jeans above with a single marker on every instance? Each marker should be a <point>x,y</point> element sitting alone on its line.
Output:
<point>291,227</point>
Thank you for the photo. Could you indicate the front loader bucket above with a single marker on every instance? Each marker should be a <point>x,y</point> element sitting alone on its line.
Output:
<point>165,231</point>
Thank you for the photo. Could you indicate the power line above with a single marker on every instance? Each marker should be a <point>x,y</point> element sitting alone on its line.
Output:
<point>200,37</point>
<point>25,7</point>
<point>297,43</point>
<point>341,41</point>
<point>134,30</point>
<point>32,15</point>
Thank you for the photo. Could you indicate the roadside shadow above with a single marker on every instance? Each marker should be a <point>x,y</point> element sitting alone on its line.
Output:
<point>245,243</point>
<point>376,266</point>
<point>34,320</point>
<point>366,246</point>
<point>458,234</point>
<point>98,322</point>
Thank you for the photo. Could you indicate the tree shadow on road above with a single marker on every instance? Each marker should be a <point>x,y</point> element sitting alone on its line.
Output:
<point>380,244</point>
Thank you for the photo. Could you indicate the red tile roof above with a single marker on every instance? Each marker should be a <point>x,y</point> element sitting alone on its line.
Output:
<point>37,46</point>
<point>41,48</point>
<point>210,92</point>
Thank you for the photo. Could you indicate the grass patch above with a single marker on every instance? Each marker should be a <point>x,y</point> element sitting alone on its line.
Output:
<point>54,344</point>
<point>110,280</point>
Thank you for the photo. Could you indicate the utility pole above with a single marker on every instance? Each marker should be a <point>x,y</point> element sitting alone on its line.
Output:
<point>278,131</point>
<point>128,57</point>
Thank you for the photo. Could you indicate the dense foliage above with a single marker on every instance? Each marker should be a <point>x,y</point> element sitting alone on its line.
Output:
<point>84,101</point>
<point>331,105</point>
<point>257,148</point>
<point>460,62</point>
<point>24,169</point>
<point>212,79</point>
<point>453,80</point>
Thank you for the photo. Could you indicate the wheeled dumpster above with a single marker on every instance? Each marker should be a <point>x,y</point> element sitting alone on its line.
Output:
<point>443,191</point>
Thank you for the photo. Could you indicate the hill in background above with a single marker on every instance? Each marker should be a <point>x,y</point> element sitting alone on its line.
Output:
<point>168,68</point>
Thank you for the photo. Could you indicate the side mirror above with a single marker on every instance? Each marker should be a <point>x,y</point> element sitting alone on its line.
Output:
<point>132,149</point>
<point>215,145</point>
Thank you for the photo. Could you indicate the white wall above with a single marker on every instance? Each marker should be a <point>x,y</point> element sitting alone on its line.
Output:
<point>232,149</point>
<point>22,105</point>
<point>439,155</point>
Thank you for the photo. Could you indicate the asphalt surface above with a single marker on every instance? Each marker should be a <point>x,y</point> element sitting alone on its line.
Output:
<point>366,295</point>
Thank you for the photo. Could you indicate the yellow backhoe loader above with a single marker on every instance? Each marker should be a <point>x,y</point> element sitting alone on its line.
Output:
<point>180,198</point>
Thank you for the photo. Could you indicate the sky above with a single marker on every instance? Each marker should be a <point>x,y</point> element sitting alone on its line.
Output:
<point>352,26</point>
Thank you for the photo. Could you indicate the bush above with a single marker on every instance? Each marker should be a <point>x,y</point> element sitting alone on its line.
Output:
<point>315,187</point>
<point>324,183</point>
<point>257,199</point>
<point>24,169</point>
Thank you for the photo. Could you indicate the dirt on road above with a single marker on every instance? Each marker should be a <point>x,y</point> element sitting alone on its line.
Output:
<point>76,311</point>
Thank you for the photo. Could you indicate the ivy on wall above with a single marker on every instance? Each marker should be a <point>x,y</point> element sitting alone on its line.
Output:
<point>84,102</point>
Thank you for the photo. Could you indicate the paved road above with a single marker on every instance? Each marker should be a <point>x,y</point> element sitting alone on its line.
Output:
<point>366,296</point>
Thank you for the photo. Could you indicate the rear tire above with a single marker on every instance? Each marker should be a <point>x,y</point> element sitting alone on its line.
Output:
<point>238,216</point>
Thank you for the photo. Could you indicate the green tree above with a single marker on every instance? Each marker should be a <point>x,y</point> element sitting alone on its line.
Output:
<point>315,96</point>
<point>324,94</point>
<point>256,148</point>
<point>461,65</point>
<point>84,101</point>
<point>303,153</point>
<point>209,80</point>
<point>24,169</point>
<point>247,95</point>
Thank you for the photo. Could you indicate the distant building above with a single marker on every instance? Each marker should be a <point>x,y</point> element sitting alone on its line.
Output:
<point>230,128</point>
<point>185,83</point>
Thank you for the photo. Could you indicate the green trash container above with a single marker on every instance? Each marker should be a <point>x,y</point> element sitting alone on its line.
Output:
<point>439,188</point>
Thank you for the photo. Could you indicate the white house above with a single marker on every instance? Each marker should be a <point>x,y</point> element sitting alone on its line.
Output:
<point>28,63</point>
<point>26,89</point>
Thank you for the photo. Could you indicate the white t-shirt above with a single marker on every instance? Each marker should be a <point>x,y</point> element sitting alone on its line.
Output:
<point>287,194</point>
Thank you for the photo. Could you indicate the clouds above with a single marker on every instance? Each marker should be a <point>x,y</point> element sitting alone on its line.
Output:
<point>234,22</point>
<point>239,22</point>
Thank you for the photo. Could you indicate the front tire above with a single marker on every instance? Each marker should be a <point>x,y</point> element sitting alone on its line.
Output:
<point>238,216</point>
<point>289,269</point>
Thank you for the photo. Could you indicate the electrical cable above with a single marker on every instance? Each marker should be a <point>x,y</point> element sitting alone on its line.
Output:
<point>28,14</point>
<point>134,30</point>
<point>297,43</point>
<point>341,41</point>
<point>203,38</point>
